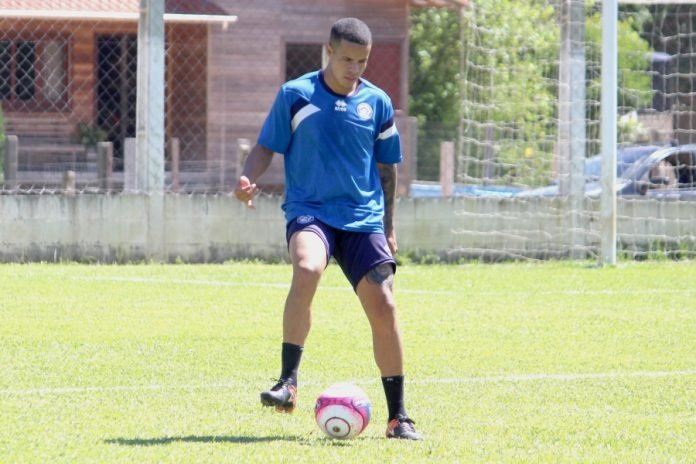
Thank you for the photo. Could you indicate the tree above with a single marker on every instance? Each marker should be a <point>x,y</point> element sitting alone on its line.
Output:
<point>434,64</point>
<point>434,82</point>
<point>634,83</point>
<point>510,91</point>
<point>494,67</point>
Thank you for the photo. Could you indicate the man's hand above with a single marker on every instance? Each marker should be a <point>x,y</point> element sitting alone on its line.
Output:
<point>245,191</point>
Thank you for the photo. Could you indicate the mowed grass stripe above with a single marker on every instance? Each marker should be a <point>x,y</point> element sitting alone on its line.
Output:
<point>544,362</point>
<point>228,385</point>
<point>143,280</point>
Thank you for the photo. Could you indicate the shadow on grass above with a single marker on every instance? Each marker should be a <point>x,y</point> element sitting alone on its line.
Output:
<point>199,439</point>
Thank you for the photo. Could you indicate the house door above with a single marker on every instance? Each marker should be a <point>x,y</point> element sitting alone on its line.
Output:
<point>116,89</point>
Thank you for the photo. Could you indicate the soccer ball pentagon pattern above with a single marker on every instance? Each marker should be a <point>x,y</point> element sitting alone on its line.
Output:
<point>343,411</point>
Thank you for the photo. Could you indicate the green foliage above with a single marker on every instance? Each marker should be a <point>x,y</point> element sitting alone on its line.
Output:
<point>512,85</point>
<point>434,57</point>
<point>434,82</point>
<point>634,83</point>
<point>495,67</point>
<point>430,135</point>
<point>89,135</point>
<point>630,130</point>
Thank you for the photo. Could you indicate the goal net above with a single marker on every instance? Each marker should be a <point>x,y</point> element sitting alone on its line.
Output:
<point>527,160</point>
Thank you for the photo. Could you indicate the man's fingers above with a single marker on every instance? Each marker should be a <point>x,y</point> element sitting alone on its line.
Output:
<point>244,182</point>
<point>246,191</point>
<point>251,192</point>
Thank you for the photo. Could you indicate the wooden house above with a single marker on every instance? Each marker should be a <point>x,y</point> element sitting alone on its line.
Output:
<point>66,64</point>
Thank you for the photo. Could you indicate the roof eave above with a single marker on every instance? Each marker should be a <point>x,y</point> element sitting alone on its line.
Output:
<point>66,15</point>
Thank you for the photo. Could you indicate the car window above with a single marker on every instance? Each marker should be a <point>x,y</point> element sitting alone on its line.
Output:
<point>637,168</point>
<point>663,175</point>
<point>625,158</point>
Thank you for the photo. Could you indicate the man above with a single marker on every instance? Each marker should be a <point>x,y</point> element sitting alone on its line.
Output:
<point>337,134</point>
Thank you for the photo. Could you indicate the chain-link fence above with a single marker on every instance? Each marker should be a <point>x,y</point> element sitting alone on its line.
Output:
<point>69,80</point>
<point>498,100</point>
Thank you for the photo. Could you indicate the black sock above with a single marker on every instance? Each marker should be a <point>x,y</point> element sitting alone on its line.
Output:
<point>394,390</point>
<point>290,358</point>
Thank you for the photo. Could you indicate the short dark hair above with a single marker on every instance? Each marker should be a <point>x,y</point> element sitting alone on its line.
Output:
<point>350,29</point>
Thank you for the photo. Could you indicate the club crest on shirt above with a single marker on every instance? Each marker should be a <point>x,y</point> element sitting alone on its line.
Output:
<point>341,105</point>
<point>364,111</point>
<point>305,219</point>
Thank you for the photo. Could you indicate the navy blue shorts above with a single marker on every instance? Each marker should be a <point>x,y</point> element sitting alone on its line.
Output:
<point>356,252</point>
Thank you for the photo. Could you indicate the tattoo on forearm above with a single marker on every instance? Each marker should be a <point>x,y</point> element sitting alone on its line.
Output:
<point>387,175</point>
<point>382,275</point>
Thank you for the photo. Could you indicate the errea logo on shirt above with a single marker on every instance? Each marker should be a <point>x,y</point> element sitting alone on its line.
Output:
<point>341,106</point>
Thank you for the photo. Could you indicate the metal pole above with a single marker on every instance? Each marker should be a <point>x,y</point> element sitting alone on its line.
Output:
<point>572,130</point>
<point>447,168</point>
<point>11,161</point>
<point>564,85</point>
<point>105,165</point>
<point>461,166</point>
<point>174,148</point>
<point>608,131</point>
<point>578,129</point>
<point>149,120</point>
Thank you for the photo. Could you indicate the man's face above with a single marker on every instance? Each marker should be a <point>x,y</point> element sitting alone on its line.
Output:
<point>347,62</point>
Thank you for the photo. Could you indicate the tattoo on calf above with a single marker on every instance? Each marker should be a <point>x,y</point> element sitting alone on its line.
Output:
<point>382,275</point>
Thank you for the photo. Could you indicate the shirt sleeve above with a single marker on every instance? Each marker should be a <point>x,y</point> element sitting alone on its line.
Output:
<point>276,130</point>
<point>388,143</point>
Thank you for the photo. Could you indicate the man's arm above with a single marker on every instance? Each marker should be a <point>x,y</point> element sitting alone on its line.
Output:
<point>387,176</point>
<point>255,165</point>
<point>257,162</point>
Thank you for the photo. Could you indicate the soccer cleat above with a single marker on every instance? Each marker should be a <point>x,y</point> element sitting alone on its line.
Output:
<point>403,428</point>
<point>283,396</point>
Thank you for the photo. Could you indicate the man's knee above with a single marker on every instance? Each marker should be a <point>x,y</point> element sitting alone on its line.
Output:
<point>376,290</point>
<point>308,270</point>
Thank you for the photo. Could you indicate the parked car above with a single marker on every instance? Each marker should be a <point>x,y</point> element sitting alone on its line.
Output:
<point>643,171</point>
<point>667,173</point>
<point>433,190</point>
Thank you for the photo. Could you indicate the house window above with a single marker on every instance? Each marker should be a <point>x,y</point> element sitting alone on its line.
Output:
<point>25,72</point>
<point>301,58</point>
<point>5,70</point>
<point>33,73</point>
<point>53,71</point>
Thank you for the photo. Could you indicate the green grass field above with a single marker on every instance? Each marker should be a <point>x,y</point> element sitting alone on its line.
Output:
<point>553,362</point>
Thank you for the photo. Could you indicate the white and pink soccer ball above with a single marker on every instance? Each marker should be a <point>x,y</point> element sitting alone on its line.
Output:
<point>343,411</point>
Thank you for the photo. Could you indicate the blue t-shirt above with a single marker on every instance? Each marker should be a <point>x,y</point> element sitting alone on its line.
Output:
<point>331,145</point>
